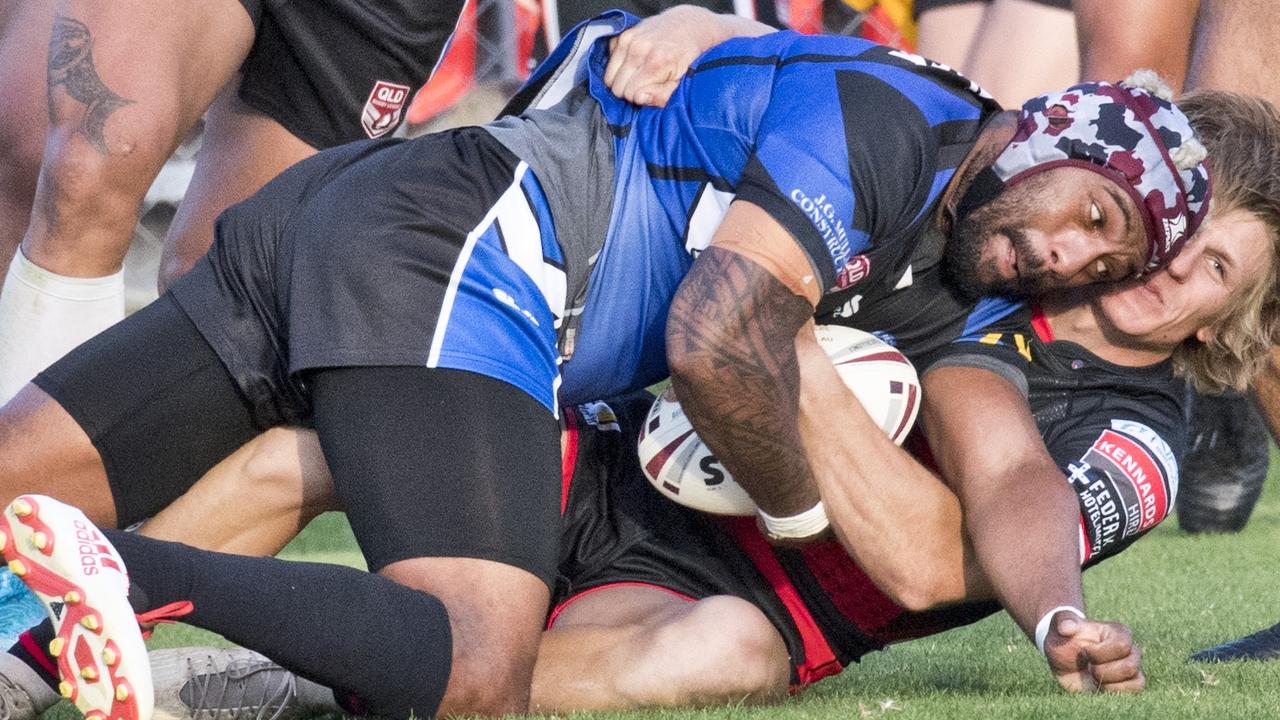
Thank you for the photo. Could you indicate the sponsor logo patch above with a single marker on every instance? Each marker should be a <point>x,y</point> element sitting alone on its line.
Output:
<point>383,109</point>
<point>1124,483</point>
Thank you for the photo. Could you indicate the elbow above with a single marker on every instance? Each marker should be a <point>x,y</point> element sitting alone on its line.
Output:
<point>691,345</point>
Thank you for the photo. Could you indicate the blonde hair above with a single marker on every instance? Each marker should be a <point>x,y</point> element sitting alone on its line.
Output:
<point>1242,135</point>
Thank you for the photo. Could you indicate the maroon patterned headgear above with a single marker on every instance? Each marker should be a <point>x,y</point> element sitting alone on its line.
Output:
<point>1129,132</point>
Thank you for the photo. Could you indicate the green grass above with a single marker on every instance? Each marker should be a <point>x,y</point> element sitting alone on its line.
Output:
<point>1179,593</point>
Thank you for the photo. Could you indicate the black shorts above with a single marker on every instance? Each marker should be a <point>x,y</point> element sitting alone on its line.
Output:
<point>333,71</point>
<point>384,263</point>
<point>618,530</point>
<point>382,253</point>
<point>156,402</point>
<point>920,6</point>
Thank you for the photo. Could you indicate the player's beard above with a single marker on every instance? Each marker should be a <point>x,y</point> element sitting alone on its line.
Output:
<point>972,275</point>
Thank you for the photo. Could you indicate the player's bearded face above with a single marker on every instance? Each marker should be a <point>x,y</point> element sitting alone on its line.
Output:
<point>989,254</point>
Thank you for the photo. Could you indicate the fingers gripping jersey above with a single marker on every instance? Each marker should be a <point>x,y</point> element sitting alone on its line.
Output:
<point>1116,432</point>
<point>846,144</point>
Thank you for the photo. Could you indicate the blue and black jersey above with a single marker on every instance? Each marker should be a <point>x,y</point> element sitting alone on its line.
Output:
<point>544,249</point>
<point>847,144</point>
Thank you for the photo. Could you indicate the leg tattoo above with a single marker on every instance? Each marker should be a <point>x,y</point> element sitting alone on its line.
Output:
<point>71,66</point>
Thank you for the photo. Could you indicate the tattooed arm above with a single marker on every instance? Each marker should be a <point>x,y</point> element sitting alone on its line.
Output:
<point>731,347</point>
<point>764,397</point>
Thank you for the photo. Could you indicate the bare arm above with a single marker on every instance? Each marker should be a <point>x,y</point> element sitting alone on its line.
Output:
<point>897,519</point>
<point>647,61</point>
<point>1021,516</point>
<point>731,347</point>
<point>767,400</point>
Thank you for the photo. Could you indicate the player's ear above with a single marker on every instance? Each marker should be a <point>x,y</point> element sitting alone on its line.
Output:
<point>1206,333</point>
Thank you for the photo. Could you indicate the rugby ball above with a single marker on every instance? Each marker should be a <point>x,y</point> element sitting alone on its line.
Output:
<point>681,467</point>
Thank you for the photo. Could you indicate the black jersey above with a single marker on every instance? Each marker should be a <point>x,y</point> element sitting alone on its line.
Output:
<point>1116,432</point>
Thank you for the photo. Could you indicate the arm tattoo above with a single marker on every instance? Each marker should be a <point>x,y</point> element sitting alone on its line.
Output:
<point>738,323</point>
<point>71,66</point>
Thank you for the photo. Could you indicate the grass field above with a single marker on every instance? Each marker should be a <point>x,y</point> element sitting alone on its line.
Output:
<point>1178,592</point>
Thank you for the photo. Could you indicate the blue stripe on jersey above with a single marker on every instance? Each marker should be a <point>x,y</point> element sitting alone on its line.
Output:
<point>940,180</point>
<point>516,341</point>
<point>989,310</point>
<point>622,343</point>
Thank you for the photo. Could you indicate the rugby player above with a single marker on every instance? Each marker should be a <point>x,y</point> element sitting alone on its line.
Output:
<point>124,83</point>
<point>653,601</point>
<point>1233,51</point>
<point>376,290</point>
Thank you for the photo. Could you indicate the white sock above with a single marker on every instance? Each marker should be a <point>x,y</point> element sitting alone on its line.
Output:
<point>43,315</point>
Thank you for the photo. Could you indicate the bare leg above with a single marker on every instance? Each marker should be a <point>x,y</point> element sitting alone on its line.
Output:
<point>126,82</point>
<point>947,33</point>
<point>241,150</point>
<point>495,614</point>
<point>43,450</point>
<point>1024,49</point>
<point>1236,48</point>
<point>629,647</point>
<point>1110,49</point>
<point>255,501</point>
<point>24,40</point>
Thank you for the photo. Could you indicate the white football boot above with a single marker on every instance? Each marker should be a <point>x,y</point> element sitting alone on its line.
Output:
<point>80,578</point>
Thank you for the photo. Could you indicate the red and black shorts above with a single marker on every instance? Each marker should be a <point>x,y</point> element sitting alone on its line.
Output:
<point>333,71</point>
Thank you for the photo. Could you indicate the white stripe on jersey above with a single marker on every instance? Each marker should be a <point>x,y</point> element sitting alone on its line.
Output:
<point>573,69</point>
<point>523,240</point>
<point>708,212</point>
<point>524,245</point>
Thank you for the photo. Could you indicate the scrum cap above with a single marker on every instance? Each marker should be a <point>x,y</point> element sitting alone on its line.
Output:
<point>1130,132</point>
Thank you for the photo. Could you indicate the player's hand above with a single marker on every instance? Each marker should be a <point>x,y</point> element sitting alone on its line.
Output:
<point>1093,656</point>
<point>647,61</point>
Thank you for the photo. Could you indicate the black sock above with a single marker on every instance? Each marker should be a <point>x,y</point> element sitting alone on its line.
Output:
<point>32,649</point>
<point>360,634</point>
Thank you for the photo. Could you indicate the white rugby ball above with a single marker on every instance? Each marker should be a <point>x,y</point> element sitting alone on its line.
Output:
<point>681,467</point>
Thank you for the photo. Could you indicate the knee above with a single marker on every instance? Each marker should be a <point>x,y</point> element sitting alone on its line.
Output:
<point>489,681</point>
<point>495,619</point>
<point>724,651</point>
<point>285,469</point>
<point>81,177</point>
<point>485,694</point>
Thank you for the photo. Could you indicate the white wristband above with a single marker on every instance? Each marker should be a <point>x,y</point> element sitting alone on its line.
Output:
<point>1042,627</point>
<point>810,522</point>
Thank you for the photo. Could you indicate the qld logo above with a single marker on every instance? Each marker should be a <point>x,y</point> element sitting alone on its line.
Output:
<point>384,107</point>
<point>854,272</point>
